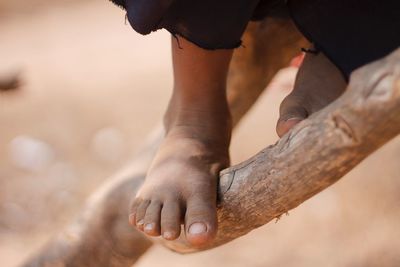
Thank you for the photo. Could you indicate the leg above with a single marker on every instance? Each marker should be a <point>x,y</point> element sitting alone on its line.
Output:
<point>270,45</point>
<point>182,181</point>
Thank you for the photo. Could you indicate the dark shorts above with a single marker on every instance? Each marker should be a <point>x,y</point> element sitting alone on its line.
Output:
<point>350,32</point>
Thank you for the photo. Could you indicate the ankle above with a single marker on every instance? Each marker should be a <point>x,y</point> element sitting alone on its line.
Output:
<point>208,128</point>
<point>197,116</point>
<point>207,110</point>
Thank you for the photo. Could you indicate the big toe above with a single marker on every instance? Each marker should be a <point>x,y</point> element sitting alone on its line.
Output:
<point>284,126</point>
<point>200,221</point>
<point>291,112</point>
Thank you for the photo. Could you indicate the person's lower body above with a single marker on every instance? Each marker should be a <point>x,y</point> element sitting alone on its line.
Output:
<point>181,184</point>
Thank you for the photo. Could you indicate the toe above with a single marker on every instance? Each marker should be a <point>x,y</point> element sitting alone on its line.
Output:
<point>284,126</point>
<point>171,220</point>
<point>140,213</point>
<point>133,209</point>
<point>200,220</point>
<point>152,218</point>
<point>292,111</point>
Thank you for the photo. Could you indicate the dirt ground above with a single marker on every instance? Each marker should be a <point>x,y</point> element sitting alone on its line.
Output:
<point>93,89</point>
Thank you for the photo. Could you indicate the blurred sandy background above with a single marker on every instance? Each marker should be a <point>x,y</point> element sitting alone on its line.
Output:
<point>93,89</point>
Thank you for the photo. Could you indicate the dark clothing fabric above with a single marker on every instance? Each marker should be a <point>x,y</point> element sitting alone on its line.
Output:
<point>211,24</point>
<point>350,32</point>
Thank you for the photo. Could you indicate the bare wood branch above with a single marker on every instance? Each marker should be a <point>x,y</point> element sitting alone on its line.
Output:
<point>101,235</point>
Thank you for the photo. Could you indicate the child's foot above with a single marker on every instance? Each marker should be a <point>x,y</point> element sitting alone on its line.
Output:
<point>181,185</point>
<point>318,83</point>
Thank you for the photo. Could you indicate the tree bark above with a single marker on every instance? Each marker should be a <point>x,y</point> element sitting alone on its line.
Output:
<point>101,235</point>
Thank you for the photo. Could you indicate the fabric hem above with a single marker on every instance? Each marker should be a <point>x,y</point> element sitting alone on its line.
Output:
<point>200,43</point>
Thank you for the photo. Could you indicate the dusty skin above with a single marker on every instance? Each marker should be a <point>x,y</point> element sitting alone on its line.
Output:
<point>182,180</point>
<point>317,84</point>
<point>353,223</point>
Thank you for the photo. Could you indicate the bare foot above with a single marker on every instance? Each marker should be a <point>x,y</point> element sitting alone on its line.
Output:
<point>318,83</point>
<point>181,185</point>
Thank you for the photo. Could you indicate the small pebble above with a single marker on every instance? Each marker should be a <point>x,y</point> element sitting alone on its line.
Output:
<point>14,217</point>
<point>108,145</point>
<point>30,153</point>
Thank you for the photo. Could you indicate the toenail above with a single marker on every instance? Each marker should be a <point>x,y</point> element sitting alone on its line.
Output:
<point>149,227</point>
<point>295,119</point>
<point>197,228</point>
<point>168,235</point>
<point>140,223</point>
